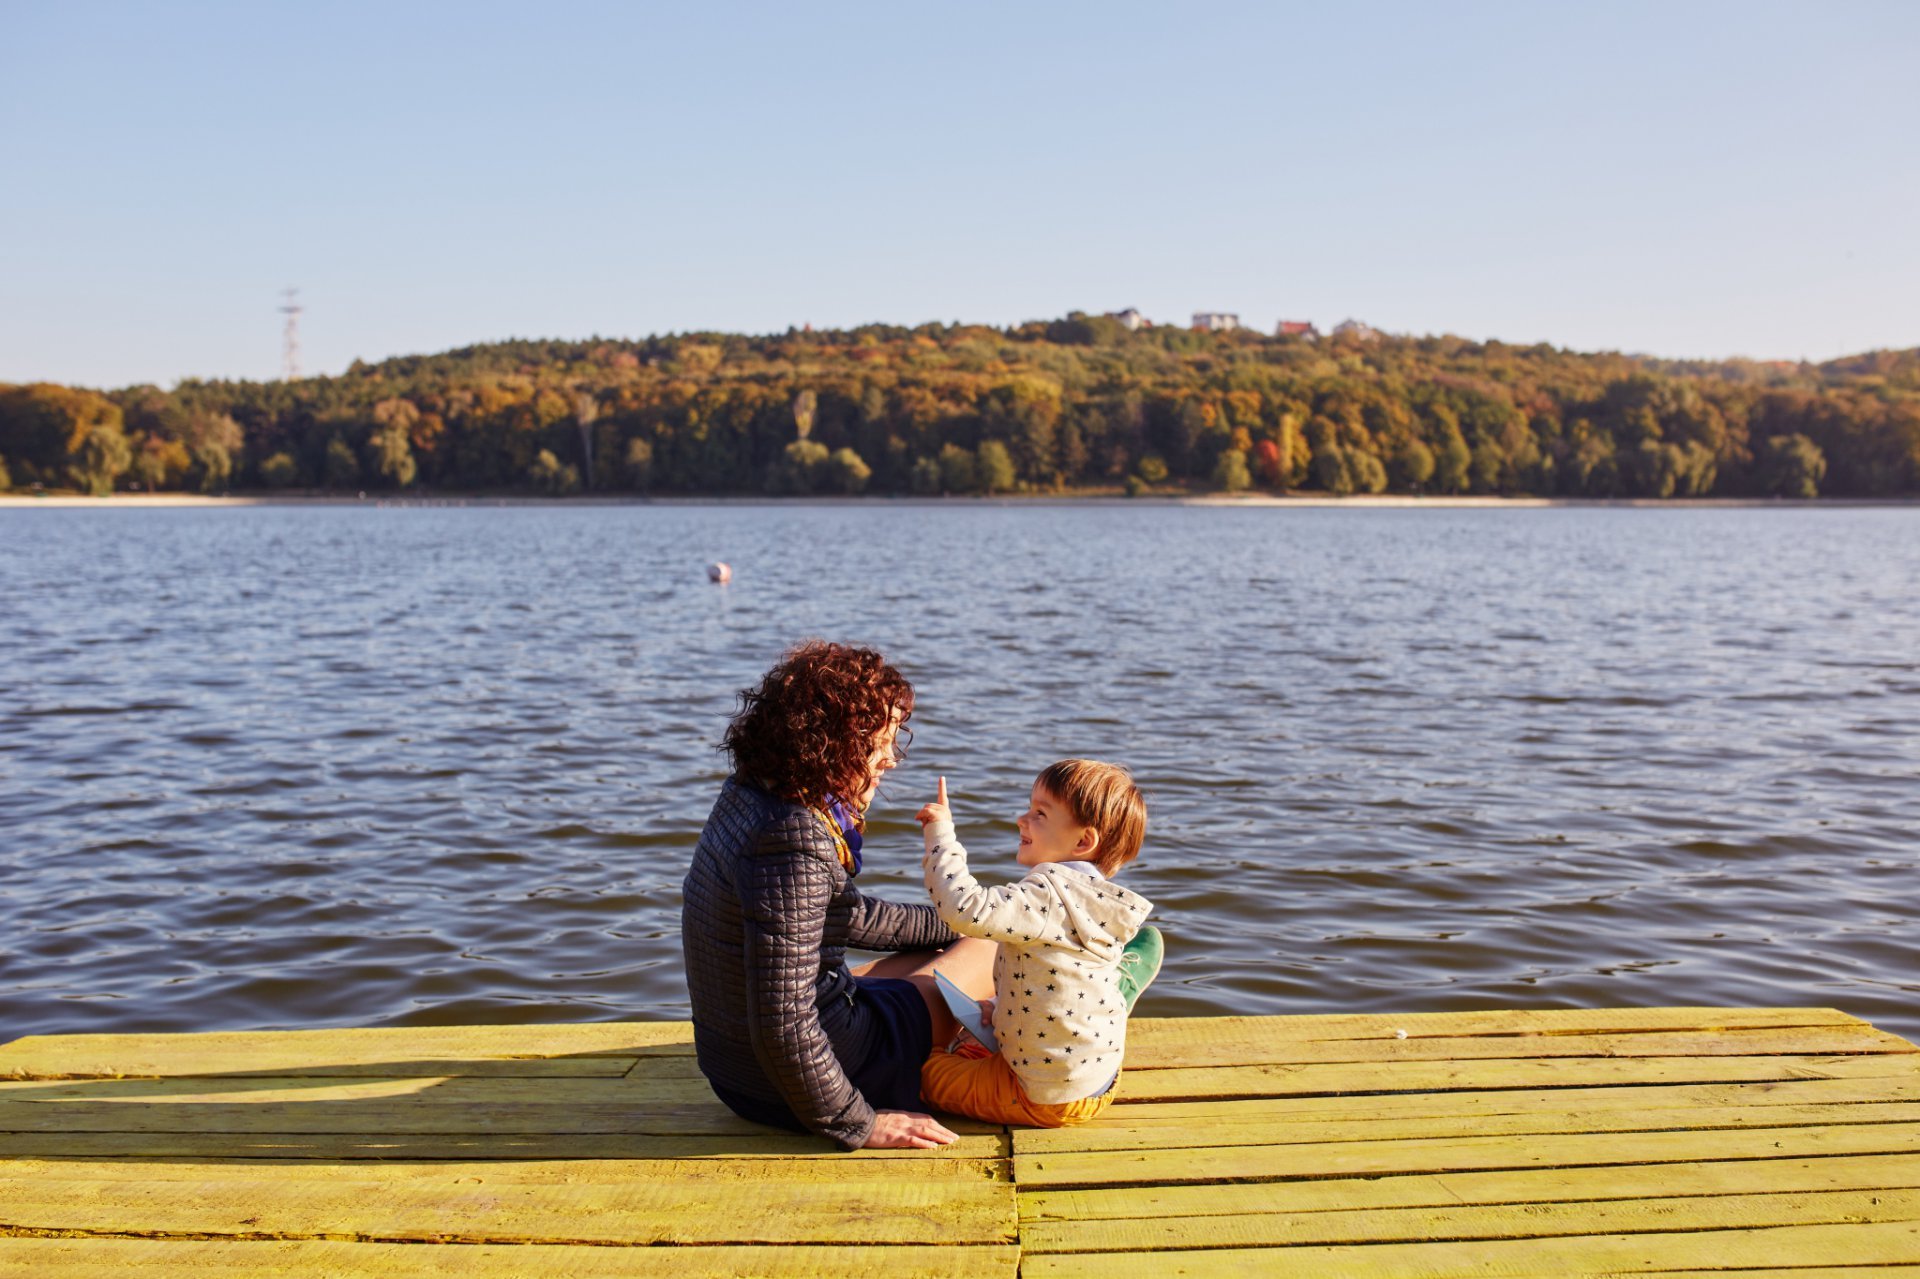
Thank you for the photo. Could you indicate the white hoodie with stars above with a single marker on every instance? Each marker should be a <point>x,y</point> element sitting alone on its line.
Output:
<point>1058,1014</point>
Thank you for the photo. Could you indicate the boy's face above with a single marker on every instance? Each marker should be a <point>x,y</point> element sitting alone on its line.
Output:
<point>1048,832</point>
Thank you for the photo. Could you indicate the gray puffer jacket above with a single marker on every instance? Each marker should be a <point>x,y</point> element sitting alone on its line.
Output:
<point>765,920</point>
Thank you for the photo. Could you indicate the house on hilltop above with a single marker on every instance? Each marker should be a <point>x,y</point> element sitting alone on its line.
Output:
<point>1215,321</point>
<point>1357,331</point>
<point>1296,329</point>
<point>1130,319</point>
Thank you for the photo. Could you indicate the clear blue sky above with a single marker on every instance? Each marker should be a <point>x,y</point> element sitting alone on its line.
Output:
<point>1686,179</point>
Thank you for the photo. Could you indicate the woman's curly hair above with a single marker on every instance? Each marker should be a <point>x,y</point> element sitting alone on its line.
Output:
<point>807,730</point>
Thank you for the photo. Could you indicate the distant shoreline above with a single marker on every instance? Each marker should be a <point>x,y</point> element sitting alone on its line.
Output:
<point>138,501</point>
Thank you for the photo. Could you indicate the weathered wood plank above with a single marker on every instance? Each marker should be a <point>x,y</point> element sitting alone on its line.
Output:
<point>1857,1037</point>
<point>395,1118</point>
<point>851,1210</point>
<point>413,1050</point>
<point>1417,1076</point>
<point>384,1117</point>
<point>762,1143</point>
<point>1219,1037</point>
<point>726,1176</point>
<point>420,1089</point>
<point>1267,1132</point>
<point>425,1090</point>
<point>370,1043</point>
<point>1239,1041</point>
<point>1788,1092</point>
<point>276,1064</point>
<point>1796,1272</point>
<point>93,1258</point>
<point>1490,1221</point>
<point>1546,1185</point>
<point>1459,1154</point>
<point>1861,1244</point>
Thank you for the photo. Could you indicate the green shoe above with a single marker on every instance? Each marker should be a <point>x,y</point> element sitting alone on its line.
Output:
<point>1140,963</point>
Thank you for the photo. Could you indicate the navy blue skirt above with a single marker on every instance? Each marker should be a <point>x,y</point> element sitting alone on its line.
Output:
<point>889,1078</point>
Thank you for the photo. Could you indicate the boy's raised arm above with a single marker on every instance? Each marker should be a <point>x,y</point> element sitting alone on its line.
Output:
<point>1019,913</point>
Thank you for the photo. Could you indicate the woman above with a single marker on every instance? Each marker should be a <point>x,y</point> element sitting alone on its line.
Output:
<point>785,1033</point>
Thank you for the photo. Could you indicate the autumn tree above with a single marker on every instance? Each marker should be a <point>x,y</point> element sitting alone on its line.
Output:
<point>993,467</point>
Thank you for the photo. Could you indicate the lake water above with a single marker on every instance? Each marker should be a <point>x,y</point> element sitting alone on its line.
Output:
<point>324,766</point>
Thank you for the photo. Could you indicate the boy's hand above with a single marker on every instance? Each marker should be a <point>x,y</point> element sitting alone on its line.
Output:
<point>937,811</point>
<point>986,1012</point>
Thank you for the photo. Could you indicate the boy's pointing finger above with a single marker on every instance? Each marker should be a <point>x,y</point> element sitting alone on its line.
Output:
<point>943,792</point>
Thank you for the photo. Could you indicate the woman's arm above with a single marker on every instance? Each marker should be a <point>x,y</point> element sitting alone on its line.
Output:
<point>784,889</point>
<point>884,925</point>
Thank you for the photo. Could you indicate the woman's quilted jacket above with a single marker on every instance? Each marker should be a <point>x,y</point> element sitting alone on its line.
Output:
<point>766,917</point>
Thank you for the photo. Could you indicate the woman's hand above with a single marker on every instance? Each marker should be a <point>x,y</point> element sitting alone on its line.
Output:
<point>986,1012</point>
<point>937,811</point>
<point>898,1129</point>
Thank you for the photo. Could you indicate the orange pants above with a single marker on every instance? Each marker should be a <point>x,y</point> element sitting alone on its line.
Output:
<point>974,1082</point>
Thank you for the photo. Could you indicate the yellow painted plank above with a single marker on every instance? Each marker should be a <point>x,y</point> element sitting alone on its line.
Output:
<point>1217,1037</point>
<point>426,1049</point>
<point>724,1174</point>
<point>1271,1132</point>
<point>392,1117</point>
<point>1797,1272</point>
<point>1545,1185</point>
<point>1412,1085</point>
<point>848,1211</point>
<point>1516,1101</point>
<point>1846,1039</point>
<point>762,1143</point>
<point>1373,1158</point>
<point>270,1064</point>
<point>422,1089</point>
<point>1153,1041</point>
<point>1861,1244</point>
<point>196,1259</point>
<point>1435,1076</point>
<point>1484,1221</point>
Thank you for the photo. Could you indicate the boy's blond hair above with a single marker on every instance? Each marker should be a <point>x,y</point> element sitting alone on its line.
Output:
<point>1104,797</point>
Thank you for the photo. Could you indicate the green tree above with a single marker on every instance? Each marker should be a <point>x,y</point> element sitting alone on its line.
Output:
<point>993,468</point>
<point>1792,466</point>
<point>391,443</point>
<point>1230,472</point>
<point>1368,472</point>
<point>1152,470</point>
<point>1331,470</point>
<point>801,468</point>
<point>925,478</point>
<point>103,457</point>
<point>959,472</point>
<point>640,463</point>
<point>343,468</point>
<point>6,477</point>
<point>846,472</point>
<point>57,434</point>
<point>1453,468</point>
<point>280,471</point>
<point>552,476</point>
<point>214,439</point>
<point>1412,464</point>
<point>158,461</point>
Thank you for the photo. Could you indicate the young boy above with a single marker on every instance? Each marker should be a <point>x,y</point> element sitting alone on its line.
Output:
<point>1065,975</point>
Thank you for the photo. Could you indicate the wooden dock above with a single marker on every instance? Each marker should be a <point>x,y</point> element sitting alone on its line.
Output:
<point>1676,1141</point>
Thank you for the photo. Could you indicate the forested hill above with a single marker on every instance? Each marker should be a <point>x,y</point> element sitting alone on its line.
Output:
<point>1048,406</point>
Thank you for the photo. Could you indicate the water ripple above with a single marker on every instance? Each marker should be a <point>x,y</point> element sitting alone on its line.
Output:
<point>335,766</point>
